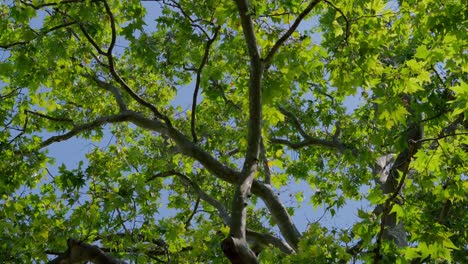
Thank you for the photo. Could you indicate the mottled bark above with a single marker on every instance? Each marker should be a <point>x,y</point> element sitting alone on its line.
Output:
<point>78,252</point>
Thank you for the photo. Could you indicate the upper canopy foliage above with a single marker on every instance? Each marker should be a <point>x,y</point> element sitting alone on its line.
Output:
<point>313,92</point>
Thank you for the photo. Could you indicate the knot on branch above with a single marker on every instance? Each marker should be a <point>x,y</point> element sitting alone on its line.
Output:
<point>238,251</point>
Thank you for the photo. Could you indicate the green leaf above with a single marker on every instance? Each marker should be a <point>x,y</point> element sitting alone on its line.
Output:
<point>106,88</point>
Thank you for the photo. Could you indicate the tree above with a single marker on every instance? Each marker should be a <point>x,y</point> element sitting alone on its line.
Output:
<point>359,100</point>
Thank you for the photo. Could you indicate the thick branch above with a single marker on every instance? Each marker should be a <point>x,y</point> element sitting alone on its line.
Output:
<point>235,246</point>
<point>187,147</point>
<point>267,239</point>
<point>253,236</point>
<point>248,28</point>
<point>276,208</point>
<point>278,212</point>
<point>238,251</point>
<point>239,204</point>
<point>79,252</point>
<point>393,186</point>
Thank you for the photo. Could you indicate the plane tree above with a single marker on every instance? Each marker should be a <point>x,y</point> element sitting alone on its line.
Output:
<point>348,100</point>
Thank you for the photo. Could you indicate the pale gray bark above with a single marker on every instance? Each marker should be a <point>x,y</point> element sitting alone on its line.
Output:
<point>79,252</point>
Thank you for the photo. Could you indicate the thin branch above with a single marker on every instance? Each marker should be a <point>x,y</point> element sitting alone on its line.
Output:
<point>114,73</point>
<point>444,211</point>
<point>16,90</point>
<point>52,118</point>
<point>441,80</point>
<point>288,33</point>
<point>91,40</point>
<point>23,130</point>
<point>135,96</point>
<point>222,212</point>
<point>42,33</point>
<point>310,141</point>
<point>187,16</point>
<point>223,95</point>
<point>357,248</point>
<point>194,211</point>
<point>198,81</point>
<point>109,87</point>
<point>266,166</point>
<point>294,120</point>
<point>124,116</point>
<point>113,30</point>
<point>50,4</point>
<point>348,24</point>
<point>442,137</point>
<point>278,14</point>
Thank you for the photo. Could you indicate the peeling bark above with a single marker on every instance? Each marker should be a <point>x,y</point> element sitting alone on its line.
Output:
<point>238,251</point>
<point>79,252</point>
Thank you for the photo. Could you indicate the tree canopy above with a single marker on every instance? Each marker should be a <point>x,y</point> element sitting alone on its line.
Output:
<point>349,100</point>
